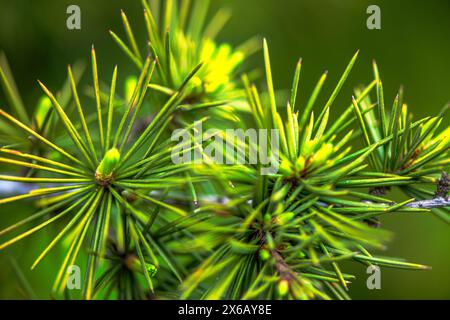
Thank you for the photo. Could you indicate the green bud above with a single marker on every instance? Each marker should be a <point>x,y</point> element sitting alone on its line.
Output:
<point>283,287</point>
<point>300,164</point>
<point>323,154</point>
<point>308,147</point>
<point>264,255</point>
<point>43,107</point>
<point>270,242</point>
<point>279,209</point>
<point>130,85</point>
<point>279,195</point>
<point>107,166</point>
<point>285,168</point>
<point>285,217</point>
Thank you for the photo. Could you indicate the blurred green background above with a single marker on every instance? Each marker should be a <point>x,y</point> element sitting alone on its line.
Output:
<point>412,49</point>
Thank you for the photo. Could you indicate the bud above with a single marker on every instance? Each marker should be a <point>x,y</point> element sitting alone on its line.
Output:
<point>285,168</point>
<point>300,164</point>
<point>308,147</point>
<point>283,287</point>
<point>105,170</point>
<point>270,242</point>
<point>279,209</point>
<point>285,218</point>
<point>130,85</point>
<point>264,255</point>
<point>323,154</point>
<point>43,107</point>
<point>279,195</point>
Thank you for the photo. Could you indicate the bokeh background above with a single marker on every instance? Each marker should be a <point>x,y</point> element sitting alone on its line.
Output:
<point>412,49</point>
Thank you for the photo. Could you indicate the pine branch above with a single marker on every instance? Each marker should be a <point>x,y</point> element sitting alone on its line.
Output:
<point>282,267</point>
<point>438,202</point>
<point>8,188</point>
